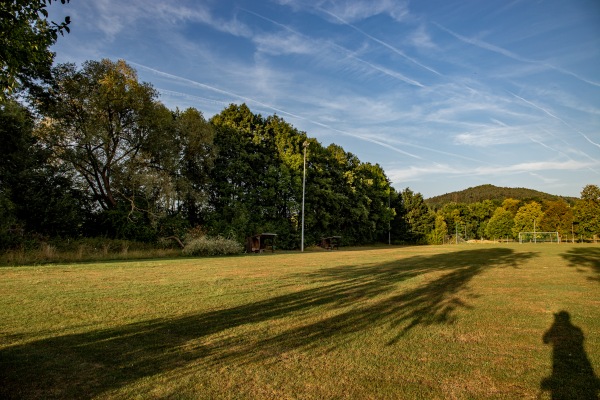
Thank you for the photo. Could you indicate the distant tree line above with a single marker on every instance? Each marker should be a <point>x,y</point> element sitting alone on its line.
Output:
<point>504,219</point>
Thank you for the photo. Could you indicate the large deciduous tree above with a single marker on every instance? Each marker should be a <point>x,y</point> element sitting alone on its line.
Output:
<point>399,224</point>
<point>100,120</point>
<point>138,160</point>
<point>241,163</point>
<point>457,216</point>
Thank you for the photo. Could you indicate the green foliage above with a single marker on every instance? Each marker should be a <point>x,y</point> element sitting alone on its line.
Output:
<point>398,225</point>
<point>528,218</point>
<point>480,214</point>
<point>100,121</point>
<point>141,164</point>
<point>439,233</point>
<point>193,162</point>
<point>558,217</point>
<point>587,212</point>
<point>25,40</point>
<point>511,205</point>
<point>36,196</point>
<point>207,247</point>
<point>420,219</point>
<point>236,193</point>
<point>591,193</point>
<point>257,184</point>
<point>500,224</point>
<point>10,232</point>
<point>122,222</point>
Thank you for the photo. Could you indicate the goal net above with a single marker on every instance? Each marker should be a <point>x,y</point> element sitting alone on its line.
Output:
<point>539,237</point>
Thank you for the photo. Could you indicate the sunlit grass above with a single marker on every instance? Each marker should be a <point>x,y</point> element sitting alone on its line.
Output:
<point>429,322</point>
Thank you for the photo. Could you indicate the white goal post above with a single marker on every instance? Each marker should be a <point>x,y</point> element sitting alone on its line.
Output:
<point>539,237</point>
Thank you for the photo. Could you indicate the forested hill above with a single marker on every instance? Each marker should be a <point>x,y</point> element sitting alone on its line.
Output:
<point>491,192</point>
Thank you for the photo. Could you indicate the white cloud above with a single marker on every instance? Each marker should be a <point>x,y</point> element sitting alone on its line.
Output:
<point>423,172</point>
<point>116,18</point>
<point>278,43</point>
<point>421,39</point>
<point>414,173</point>
<point>353,10</point>
<point>537,166</point>
<point>488,136</point>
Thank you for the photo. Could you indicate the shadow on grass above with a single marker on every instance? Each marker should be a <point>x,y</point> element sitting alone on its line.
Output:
<point>572,376</point>
<point>340,301</point>
<point>585,259</point>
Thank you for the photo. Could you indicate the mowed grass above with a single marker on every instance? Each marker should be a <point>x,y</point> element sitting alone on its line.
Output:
<point>435,322</point>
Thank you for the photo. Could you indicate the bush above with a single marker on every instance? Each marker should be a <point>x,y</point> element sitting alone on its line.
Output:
<point>205,246</point>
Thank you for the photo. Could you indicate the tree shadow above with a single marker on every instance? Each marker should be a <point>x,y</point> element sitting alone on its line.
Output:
<point>338,302</point>
<point>572,376</point>
<point>585,259</point>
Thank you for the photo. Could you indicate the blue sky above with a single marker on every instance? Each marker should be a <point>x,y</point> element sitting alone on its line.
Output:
<point>444,95</point>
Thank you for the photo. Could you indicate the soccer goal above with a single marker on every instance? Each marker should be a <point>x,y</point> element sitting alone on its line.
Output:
<point>539,237</point>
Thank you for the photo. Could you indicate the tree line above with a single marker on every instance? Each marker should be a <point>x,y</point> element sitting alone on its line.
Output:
<point>505,219</point>
<point>96,154</point>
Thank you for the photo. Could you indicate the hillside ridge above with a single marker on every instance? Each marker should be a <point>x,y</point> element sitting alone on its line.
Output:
<point>490,192</point>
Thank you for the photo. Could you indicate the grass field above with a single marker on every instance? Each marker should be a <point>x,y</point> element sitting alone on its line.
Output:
<point>431,322</point>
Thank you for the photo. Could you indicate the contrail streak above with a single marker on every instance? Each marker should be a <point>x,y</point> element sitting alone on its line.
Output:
<point>344,50</point>
<point>381,42</point>
<point>248,99</point>
<point>299,117</point>
<point>493,48</point>
<point>554,116</point>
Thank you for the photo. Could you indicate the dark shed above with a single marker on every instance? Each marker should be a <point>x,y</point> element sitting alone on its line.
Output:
<point>330,243</point>
<point>260,242</point>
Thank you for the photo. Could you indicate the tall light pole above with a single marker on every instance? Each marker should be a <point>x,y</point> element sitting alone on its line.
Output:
<point>390,211</point>
<point>305,145</point>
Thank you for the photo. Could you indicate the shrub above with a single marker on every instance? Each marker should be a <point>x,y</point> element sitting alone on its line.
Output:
<point>205,246</point>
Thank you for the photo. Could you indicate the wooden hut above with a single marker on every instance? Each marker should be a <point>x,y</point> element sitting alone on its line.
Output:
<point>330,243</point>
<point>260,242</point>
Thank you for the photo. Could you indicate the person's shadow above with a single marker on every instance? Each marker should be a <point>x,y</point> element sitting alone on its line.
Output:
<point>572,376</point>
